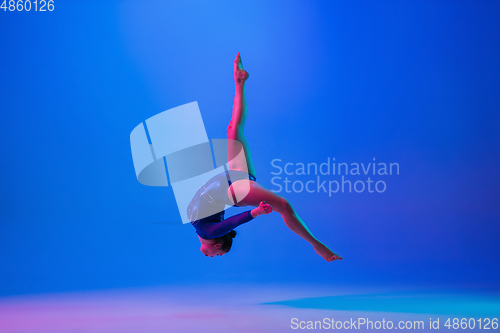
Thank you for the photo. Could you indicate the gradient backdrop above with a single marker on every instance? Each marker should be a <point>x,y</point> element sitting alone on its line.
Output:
<point>409,82</point>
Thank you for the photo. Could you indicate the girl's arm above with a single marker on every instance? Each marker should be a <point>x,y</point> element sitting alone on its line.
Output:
<point>219,229</point>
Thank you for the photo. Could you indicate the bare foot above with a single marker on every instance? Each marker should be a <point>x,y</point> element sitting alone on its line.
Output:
<point>326,253</point>
<point>240,75</point>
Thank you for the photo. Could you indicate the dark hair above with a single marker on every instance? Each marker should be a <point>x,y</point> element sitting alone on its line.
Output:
<point>226,241</point>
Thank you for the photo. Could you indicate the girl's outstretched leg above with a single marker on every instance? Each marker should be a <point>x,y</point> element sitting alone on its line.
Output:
<point>238,151</point>
<point>258,193</point>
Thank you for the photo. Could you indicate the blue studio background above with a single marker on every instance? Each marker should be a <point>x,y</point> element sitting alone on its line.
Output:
<point>414,82</point>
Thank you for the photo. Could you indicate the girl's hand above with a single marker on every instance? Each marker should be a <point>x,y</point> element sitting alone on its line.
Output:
<point>266,208</point>
<point>262,209</point>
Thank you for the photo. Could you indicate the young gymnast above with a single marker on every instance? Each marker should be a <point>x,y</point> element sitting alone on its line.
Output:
<point>238,187</point>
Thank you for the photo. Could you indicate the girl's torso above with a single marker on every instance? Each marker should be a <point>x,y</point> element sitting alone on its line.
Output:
<point>210,200</point>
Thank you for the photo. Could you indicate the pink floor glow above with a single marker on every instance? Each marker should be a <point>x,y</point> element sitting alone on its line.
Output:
<point>235,308</point>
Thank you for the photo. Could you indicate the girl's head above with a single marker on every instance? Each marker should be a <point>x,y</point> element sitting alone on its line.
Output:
<point>219,246</point>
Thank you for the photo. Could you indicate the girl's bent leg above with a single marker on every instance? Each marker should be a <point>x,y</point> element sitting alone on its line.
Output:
<point>258,193</point>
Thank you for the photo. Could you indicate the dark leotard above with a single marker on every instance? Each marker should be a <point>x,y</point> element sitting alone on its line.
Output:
<point>209,203</point>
